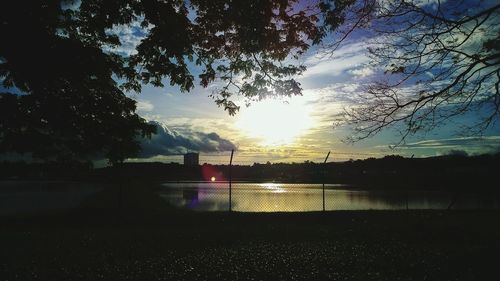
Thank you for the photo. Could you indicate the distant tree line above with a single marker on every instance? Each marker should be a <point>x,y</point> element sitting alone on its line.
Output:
<point>390,172</point>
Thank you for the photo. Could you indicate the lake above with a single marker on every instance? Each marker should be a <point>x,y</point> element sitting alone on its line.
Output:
<point>279,197</point>
<point>35,197</point>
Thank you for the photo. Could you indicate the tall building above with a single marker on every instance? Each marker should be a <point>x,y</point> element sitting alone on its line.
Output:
<point>191,159</point>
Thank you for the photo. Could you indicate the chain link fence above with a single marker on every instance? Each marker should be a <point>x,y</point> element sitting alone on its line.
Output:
<point>227,194</point>
<point>278,187</point>
<point>294,197</point>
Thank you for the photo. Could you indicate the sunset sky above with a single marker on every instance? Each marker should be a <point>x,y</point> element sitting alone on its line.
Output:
<point>285,130</point>
<point>296,129</point>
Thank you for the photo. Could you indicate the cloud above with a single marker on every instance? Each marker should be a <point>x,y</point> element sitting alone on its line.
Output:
<point>170,142</point>
<point>457,152</point>
<point>349,57</point>
<point>143,105</point>
<point>454,142</point>
<point>344,94</point>
<point>130,36</point>
<point>470,145</point>
<point>362,72</point>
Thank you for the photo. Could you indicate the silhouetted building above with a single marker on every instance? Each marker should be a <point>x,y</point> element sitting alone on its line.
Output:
<point>191,159</point>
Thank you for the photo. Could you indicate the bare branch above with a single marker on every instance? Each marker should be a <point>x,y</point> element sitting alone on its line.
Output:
<point>440,62</point>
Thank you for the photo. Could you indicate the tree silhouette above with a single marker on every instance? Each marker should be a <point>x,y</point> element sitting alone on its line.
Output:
<point>67,105</point>
<point>64,83</point>
<point>441,60</point>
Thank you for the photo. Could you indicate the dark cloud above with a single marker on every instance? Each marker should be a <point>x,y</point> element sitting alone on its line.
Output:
<point>457,152</point>
<point>170,142</point>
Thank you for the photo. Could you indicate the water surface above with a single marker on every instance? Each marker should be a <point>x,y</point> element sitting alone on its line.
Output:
<point>279,197</point>
<point>36,197</point>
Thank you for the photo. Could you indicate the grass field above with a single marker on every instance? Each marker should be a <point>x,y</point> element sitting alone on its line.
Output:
<point>230,246</point>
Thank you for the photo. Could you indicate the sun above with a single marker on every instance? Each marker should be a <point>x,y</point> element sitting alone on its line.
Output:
<point>275,122</point>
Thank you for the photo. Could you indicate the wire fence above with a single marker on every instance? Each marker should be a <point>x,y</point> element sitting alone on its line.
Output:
<point>276,196</point>
<point>283,197</point>
<point>37,198</point>
<point>244,188</point>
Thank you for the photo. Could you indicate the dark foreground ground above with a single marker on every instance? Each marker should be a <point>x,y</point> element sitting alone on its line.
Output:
<point>394,245</point>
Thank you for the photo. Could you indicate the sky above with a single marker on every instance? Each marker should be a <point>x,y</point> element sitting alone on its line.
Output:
<point>297,129</point>
<point>287,130</point>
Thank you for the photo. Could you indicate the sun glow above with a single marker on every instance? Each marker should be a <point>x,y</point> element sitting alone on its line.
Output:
<point>275,122</point>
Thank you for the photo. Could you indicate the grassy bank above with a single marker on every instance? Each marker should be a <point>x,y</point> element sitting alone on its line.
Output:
<point>391,245</point>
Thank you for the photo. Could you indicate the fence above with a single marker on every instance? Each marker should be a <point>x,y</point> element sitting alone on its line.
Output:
<point>278,197</point>
<point>284,196</point>
<point>307,186</point>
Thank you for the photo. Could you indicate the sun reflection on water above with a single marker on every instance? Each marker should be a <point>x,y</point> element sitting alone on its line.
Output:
<point>273,187</point>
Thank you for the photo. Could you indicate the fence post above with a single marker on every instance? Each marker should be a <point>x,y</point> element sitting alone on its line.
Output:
<point>407,195</point>
<point>324,173</point>
<point>453,200</point>
<point>230,177</point>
